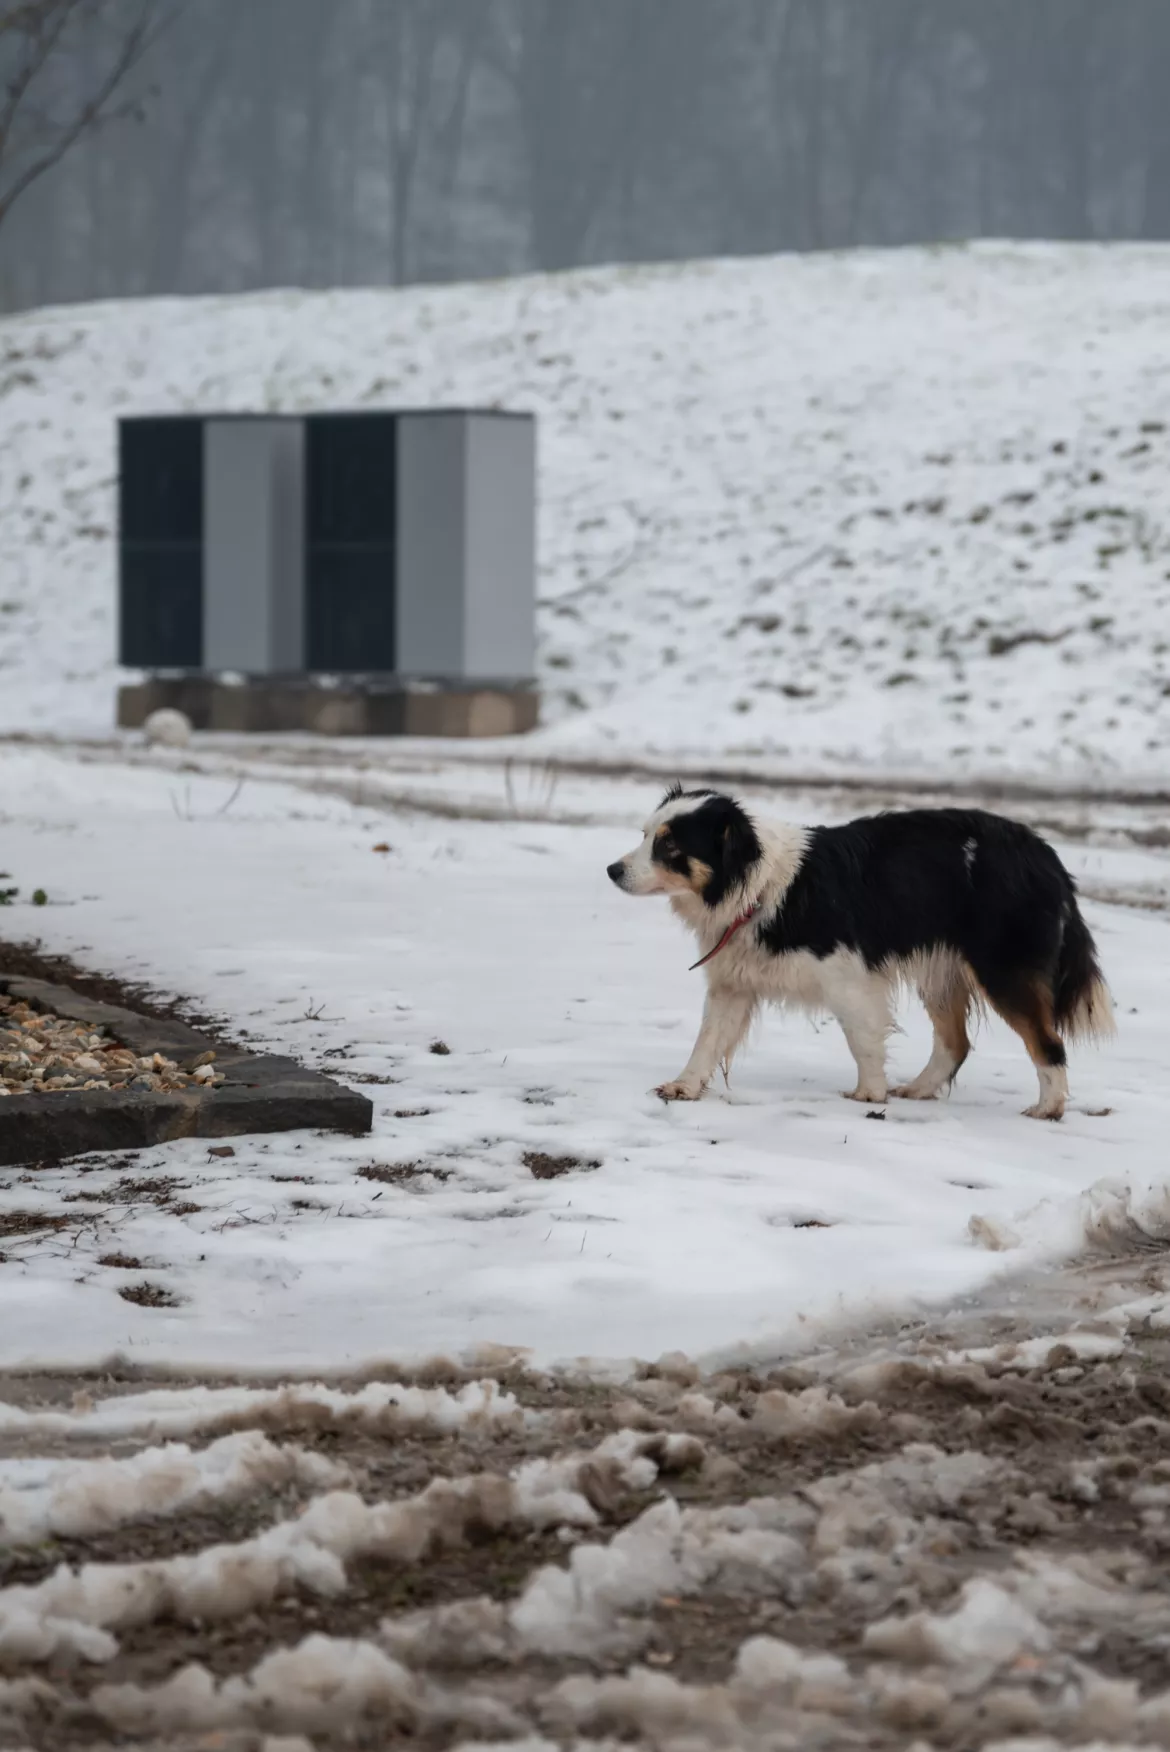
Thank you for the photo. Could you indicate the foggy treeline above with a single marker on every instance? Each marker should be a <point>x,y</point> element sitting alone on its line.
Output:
<point>370,142</point>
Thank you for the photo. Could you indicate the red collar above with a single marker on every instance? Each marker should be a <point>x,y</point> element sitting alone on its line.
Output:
<point>728,934</point>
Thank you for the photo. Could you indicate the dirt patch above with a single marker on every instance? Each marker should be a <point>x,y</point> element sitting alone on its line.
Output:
<point>401,1173</point>
<point>148,1295</point>
<point>121,1261</point>
<point>545,1167</point>
<point>31,1223</point>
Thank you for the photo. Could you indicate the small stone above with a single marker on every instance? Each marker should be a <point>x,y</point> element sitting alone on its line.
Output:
<point>91,1066</point>
<point>204,1074</point>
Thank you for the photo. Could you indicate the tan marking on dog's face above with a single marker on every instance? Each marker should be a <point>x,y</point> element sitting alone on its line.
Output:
<point>652,867</point>
<point>673,882</point>
<point>700,875</point>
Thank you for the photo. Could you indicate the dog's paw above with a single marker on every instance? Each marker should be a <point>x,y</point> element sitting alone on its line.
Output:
<point>678,1091</point>
<point>871,1096</point>
<point>910,1092</point>
<point>1043,1111</point>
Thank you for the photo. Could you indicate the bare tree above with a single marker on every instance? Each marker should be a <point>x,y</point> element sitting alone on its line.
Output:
<point>198,64</point>
<point>578,74</point>
<point>410,35</point>
<point>42,112</point>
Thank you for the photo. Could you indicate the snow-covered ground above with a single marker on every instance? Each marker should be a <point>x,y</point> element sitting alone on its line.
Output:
<point>885,509</point>
<point>749,1224</point>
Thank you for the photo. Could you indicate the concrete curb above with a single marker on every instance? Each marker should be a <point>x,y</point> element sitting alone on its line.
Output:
<point>261,1093</point>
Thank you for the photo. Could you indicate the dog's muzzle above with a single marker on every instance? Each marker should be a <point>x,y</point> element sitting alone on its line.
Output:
<point>617,872</point>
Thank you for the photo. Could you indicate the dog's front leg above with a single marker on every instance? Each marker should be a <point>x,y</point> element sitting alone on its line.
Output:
<point>726,1016</point>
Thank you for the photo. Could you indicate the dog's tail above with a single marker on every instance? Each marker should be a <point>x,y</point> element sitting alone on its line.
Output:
<point>1081,1002</point>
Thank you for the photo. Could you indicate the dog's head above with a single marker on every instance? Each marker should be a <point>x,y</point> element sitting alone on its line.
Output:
<point>696,842</point>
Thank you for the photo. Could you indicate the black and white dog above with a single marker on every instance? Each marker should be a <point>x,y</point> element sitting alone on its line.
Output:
<point>966,907</point>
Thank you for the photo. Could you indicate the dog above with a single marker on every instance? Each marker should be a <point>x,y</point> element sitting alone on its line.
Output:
<point>970,909</point>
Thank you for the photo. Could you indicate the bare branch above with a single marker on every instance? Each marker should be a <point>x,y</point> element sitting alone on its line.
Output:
<point>39,27</point>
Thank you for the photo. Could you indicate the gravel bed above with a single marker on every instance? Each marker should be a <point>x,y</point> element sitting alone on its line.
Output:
<point>45,1054</point>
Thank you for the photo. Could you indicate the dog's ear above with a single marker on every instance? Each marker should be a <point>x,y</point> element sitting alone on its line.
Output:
<point>740,846</point>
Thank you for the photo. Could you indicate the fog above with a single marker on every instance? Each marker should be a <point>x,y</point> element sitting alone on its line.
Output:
<point>253,143</point>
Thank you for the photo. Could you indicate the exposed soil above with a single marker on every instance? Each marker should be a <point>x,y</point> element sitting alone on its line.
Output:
<point>401,1173</point>
<point>148,1295</point>
<point>544,1167</point>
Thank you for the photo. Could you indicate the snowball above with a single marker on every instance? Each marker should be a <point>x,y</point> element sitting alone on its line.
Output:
<point>167,728</point>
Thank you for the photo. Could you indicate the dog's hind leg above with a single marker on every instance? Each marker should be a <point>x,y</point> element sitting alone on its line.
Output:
<point>727,1016</point>
<point>948,1012</point>
<point>1026,1005</point>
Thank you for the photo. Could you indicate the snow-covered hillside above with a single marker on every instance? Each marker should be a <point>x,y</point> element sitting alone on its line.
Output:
<point>901,508</point>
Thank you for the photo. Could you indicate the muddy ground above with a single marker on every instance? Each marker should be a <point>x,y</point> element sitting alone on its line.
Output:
<point>951,1534</point>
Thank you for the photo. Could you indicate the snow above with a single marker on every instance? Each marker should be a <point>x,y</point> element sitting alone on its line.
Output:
<point>77,1609</point>
<point>42,1499</point>
<point>860,1531</point>
<point>562,1003</point>
<point>379,1409</point>
<point>986,1626</point>
<point>883,509</point>
<point>834,515</point>
<point>310,1686</point>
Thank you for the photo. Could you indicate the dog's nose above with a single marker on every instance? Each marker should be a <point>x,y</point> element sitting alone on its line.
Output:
<point>615,872</point>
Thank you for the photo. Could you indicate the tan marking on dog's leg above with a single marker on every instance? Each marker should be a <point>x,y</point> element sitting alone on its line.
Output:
<point>726,1018</point>
<point>948,1012</point>
<point>1029,1012</point>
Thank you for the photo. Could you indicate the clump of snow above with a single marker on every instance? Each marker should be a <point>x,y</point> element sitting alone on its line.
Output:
<point>1045,1350</point>
<point>382,1408</point>
<point>667,1550</point>
<point>168,728</point>
<point>1113,1217</point>
<point>583,1607</point>
<point>227,1581</point>
<point>653,1704</point>
<point>813,1412</point>
<point>29,1634</point>
<point>42,1499</point>
<point>316,1687</point>
<point>987,1628</point>
<point>901,1492</point>
<point>768,1666</point>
